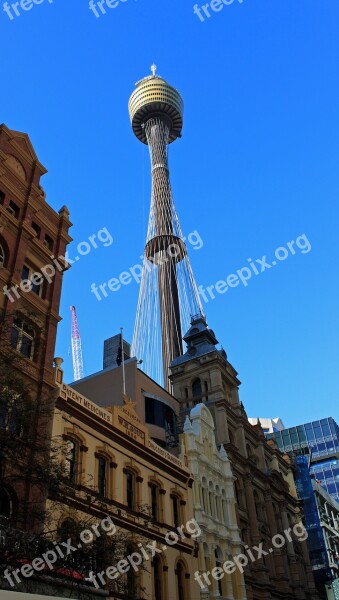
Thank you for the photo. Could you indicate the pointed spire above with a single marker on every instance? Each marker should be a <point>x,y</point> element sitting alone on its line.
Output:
<point>188,426</point>
<point>223,453</point>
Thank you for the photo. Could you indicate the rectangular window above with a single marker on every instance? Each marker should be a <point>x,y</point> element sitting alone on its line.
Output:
<point>102,476</point>
<point>286,438</point>
<point>13,209</point>
<point>36,228</point>
<point>329,446</point>
<point>130,489</point>
<point>318,433</point>
<point>48,242</point>
<point>149,410</point>
<point>71,460</point>
<point>23,338</point>
<point>2,197</point>
<point>310,435</point>
<point>333,428</point>
<point>175,506</point>
<point>326,430</point>
<point>154,501</point>
<point>294,438</point>
<point>37,288</point>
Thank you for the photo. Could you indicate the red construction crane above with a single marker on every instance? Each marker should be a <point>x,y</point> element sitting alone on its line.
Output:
<point>78,363</point>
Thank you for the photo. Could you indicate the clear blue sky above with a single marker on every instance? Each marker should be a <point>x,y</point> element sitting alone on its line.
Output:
<point>256,167</point>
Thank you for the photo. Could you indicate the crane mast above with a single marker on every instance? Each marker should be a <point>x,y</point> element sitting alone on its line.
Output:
<point>78,363</point>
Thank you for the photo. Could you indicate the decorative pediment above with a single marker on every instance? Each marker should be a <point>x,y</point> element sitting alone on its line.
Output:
<point>24,143</point>
<point>127,420</point>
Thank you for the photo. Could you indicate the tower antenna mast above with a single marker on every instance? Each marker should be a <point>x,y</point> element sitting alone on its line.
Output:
<point>78,363</point>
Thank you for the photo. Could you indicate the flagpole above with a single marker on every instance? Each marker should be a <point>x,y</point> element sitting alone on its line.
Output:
<point>123,362</point>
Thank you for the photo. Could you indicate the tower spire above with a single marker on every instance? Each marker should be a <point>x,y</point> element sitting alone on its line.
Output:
<point>168,293</point>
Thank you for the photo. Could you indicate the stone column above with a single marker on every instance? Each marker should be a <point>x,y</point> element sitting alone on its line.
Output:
<point>286,526</point>
<point>258,566</point>
<point>250,505</point>
<point>280,559</point>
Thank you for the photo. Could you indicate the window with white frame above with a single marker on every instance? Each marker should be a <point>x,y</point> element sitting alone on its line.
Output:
<point>23,338</point>
<point>36,279</point>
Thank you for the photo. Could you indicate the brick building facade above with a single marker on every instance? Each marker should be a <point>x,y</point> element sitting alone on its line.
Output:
<point>32,237</point>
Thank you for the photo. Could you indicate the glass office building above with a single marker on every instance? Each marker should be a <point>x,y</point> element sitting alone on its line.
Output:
<point>320,441</point>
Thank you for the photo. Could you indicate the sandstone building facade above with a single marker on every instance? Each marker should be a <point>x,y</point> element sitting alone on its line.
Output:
<point>214,505</point>
<point>116,469</point>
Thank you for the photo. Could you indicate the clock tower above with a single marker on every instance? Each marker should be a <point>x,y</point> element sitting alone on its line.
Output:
<point>266,497</point>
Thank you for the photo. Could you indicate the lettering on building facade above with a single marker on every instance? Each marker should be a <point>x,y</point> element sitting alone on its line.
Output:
<point>68,393</point>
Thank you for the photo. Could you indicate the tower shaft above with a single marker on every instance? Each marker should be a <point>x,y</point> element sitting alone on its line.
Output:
<point>164,246</point>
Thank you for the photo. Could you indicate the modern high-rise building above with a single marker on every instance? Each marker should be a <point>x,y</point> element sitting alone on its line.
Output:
<point>320,441</point>
<point>321,517</point>
<point>268,425</point>
<point>113,350</point>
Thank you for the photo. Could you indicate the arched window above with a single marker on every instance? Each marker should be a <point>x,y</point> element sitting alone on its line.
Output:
<point>249,450</point>
<point>5,504</point>
<point>157,578</point>
<point>204,499</point>
<point>131,576</point>
<point>180,575</point>
<point>2,256</point>
<point>68,530</point>
<point>218,563</point>
<point>130,488</point>
<point>177,510</point>
<point>277,517</point>
<point>220,508</point>
<point>210,497</point>
<point>72,453</point>
<point>102,476</point>
<point>237,493</point>
<point>155,500</point>
<point>257,503</point>
<point>196,388</point>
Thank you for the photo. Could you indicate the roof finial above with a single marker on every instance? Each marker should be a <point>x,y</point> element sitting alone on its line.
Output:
<point>153,69</point>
